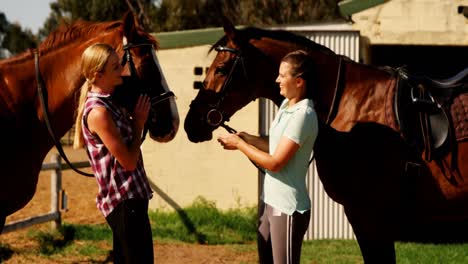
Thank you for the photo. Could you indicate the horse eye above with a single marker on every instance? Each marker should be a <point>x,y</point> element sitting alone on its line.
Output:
<point>221,70</point>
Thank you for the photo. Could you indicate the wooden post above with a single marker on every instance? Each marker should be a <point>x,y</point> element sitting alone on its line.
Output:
<point>55,188</point>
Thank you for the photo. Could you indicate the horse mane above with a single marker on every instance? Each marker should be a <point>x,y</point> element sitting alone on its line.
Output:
<point>65,34</point>
<point>281,35</point>
<point>69,33</point>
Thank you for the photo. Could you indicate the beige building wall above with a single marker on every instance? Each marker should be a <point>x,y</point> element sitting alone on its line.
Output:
<point>414,22</point>
<point>182,170</point>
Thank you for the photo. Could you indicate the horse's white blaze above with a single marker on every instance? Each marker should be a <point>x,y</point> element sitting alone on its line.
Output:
<point>174,111</point>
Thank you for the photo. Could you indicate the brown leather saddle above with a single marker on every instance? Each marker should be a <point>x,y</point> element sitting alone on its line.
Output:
<point>424,109</point>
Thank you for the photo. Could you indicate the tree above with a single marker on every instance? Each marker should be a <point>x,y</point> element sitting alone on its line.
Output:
<point>68,11</point>
<point>171,15</point>
<point>16,40</point>
<point>13,39</point>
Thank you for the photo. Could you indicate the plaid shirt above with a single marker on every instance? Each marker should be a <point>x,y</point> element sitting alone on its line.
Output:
<point>115,183</point>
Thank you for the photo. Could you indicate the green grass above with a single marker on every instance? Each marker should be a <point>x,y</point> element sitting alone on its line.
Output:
<point>331,251</point>
<point>203,223</point>
<point>414,253</point>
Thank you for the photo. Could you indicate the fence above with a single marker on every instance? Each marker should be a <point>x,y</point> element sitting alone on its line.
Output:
<point>58,199</point>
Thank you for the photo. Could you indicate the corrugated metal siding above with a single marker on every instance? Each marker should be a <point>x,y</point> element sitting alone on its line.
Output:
<point>328,220</point>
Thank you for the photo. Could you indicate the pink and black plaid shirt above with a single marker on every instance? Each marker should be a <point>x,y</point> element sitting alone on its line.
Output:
<point>115,183</point>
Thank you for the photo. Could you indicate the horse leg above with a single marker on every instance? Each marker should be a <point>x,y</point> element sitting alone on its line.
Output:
<point>375,242</point>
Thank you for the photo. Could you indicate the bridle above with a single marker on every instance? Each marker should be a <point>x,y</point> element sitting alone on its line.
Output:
<point>214,116</point>
<point>127,57</point>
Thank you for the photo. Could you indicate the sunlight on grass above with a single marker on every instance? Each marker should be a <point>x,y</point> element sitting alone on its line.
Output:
<point>203,223</point>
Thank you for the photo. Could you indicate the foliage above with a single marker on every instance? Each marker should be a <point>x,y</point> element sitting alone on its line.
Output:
<point>68,11</point>
<point>13,39</point>
<point>16,40</point>
<point>169,15</point>
<point>188,14</point>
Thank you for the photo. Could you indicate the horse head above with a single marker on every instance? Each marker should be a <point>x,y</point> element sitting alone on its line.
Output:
<point>146,77</point>
<point>240,73</point>
<point>246,68</point>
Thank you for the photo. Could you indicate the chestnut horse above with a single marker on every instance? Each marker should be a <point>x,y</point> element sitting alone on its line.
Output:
<point>24,135</point>
<point>369,154</point>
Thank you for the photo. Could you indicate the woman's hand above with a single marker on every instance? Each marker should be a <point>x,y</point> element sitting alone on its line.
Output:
<point>141,111</point>
<point>230,141</point>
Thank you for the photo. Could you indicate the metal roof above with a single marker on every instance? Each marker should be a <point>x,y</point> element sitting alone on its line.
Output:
<point>209,36</point>
<point>349,7</point>
<point>188,38</point>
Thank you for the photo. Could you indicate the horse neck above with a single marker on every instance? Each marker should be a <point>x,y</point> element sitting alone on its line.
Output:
<point>16,88</point>
<point>62,76</point>
<point>60,70</point>
<point>347,92</point>
<point>267,72</point>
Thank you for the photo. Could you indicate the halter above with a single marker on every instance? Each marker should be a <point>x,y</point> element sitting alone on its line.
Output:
<point>127,57</point>
<point>215,117</point>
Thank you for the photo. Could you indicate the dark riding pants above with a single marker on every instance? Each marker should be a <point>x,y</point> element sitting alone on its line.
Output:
<point>131,230</point>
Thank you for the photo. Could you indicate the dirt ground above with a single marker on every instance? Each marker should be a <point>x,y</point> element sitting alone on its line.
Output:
<point>82,210</point>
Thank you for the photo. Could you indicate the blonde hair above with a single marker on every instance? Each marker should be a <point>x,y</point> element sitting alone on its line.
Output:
<point>93,60</point>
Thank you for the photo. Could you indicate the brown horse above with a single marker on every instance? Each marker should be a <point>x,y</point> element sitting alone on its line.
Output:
<point>23,133</point>
<point>369,154</point>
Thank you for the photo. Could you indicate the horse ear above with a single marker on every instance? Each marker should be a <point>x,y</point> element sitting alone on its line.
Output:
<point>130,25</point>
<point>229,29</point>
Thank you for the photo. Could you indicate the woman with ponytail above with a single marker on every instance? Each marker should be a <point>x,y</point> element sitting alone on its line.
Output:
<point>285,156</point>
<point>112,138</point>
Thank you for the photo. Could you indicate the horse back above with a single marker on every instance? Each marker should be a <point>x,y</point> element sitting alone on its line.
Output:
<point>434,125</point>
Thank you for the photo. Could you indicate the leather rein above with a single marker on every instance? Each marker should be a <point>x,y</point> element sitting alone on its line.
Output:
<point>127,57</point>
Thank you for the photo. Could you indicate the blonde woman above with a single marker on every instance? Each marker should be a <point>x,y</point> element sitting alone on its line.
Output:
<point>112,138</point>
